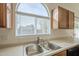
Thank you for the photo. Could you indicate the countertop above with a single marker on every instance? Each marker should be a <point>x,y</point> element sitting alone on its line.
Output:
<point>65,43</point>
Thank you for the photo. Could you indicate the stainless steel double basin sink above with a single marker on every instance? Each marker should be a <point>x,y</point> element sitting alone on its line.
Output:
<point>35,49</point>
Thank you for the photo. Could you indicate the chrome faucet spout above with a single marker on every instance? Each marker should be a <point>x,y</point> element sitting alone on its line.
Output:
<point>38,40</point>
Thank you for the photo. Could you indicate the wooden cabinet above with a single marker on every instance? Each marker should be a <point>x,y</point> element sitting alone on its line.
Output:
<point>3,15</point>
<point>71,20</point>
<point>63,53</point>
<point>62,18</point>
<point>6,15</point>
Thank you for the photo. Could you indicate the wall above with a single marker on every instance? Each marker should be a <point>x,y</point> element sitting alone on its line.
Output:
<point>8,36</point>
<point>12,51</point>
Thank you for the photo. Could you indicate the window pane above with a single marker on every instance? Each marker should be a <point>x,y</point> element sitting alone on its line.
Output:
<point>43,26</point>
<point>25,25</point>
<point>33,8</point>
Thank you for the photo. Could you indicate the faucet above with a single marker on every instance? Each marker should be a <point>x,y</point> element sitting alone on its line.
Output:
<point>38,40</point>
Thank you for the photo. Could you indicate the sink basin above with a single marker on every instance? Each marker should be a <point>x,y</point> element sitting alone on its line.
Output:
<point>51,46</point>
<point>33,49</point>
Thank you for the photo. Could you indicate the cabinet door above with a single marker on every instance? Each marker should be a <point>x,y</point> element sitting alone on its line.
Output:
<point>55,18</point>
<point>63,53</point>
<point>71,20</point>
<point>3,15</point>
<point>62,18</point>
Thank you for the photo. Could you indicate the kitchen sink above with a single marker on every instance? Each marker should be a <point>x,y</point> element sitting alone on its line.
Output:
<point>33,49</point>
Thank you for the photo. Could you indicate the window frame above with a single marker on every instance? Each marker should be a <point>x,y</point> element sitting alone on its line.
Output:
<point>36,16</point>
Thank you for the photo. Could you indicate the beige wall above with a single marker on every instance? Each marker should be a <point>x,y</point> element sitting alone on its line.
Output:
<point>12,51</point>
<point>8,36</point>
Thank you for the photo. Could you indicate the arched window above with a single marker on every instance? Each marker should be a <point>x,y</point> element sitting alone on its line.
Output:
<point>32,19</point>
<point>33,8</point>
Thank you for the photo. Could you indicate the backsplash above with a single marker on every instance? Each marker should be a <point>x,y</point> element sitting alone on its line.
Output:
<point>62,33</point>
<point>8,36</point>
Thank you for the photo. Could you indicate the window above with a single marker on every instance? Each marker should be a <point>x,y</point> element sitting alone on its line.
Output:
<point>43,26</point>
<point>32,19</point>
<point>33,8</point>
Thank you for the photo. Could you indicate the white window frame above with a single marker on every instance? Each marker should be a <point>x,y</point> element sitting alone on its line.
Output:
<point>36,16</point>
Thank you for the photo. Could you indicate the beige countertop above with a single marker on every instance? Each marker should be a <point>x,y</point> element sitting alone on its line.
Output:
<point>65,43</point>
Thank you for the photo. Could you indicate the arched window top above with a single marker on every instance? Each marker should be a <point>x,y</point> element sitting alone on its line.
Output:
<point>33,8</point>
